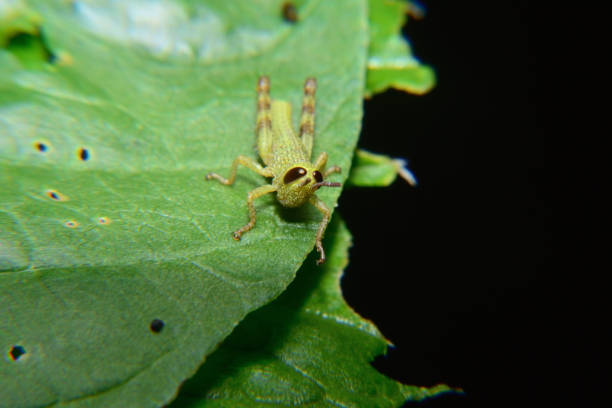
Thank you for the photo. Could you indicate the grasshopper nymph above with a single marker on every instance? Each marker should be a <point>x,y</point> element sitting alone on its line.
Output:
<point>286,157</point>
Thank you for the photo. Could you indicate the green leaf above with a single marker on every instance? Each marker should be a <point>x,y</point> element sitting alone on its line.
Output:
<point>106,221</point>
<point>377,170</point>
<point>390,60</point>
<point>307,348</point>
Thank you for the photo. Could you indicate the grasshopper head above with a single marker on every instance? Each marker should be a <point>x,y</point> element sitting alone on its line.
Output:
<point>298,183</point>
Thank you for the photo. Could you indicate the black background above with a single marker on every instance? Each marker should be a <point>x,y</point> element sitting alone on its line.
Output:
<point>461,273</point>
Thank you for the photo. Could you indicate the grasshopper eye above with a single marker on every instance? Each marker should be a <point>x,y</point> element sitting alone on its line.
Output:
<point>317,176</point>
<point>294,174</point>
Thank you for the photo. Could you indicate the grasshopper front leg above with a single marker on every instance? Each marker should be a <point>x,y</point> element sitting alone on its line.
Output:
<point>320,205</point>
<point>254,194</point>
<point>332,170</point>
<point>258,192</point>
<point>246,162</point>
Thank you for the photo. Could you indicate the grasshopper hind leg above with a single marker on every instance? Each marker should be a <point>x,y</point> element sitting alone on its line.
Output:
<point>307,119</point>
<point>263,123</point>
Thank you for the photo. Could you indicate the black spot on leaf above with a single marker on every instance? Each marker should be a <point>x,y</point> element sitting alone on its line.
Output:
<point>289,12</point>
<point>41,147</point>
<point>71,224</point>
<point>156,325</point>
<point>83,154</point>
<point>16,352</point>
<point>56,195</point>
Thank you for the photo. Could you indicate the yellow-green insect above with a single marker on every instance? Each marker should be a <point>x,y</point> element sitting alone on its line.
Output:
<point>286,158</point>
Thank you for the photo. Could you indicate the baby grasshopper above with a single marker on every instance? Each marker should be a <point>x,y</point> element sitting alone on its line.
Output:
<point>286,158</point>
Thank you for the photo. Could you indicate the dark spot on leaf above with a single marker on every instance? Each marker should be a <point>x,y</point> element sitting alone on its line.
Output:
<point>83,154</point>
<point>16,352</point>
<point>56,195</point>
<point>71,224</point>
<point>103,220</point>
<point>41,147</point>
<point>156,325</point>
<point>289,12</point>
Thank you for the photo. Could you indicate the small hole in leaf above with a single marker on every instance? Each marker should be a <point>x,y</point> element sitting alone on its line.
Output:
<point>56,195</point>
<point>103,220</point>
<point>16,352</point>
<point>41,147</point>
<point>71,224</point>
<point>289,12</point>
<point>83,154</point>
<point>156,325</point>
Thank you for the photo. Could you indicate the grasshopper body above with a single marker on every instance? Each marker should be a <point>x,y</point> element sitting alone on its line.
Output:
<point>286,157</point>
